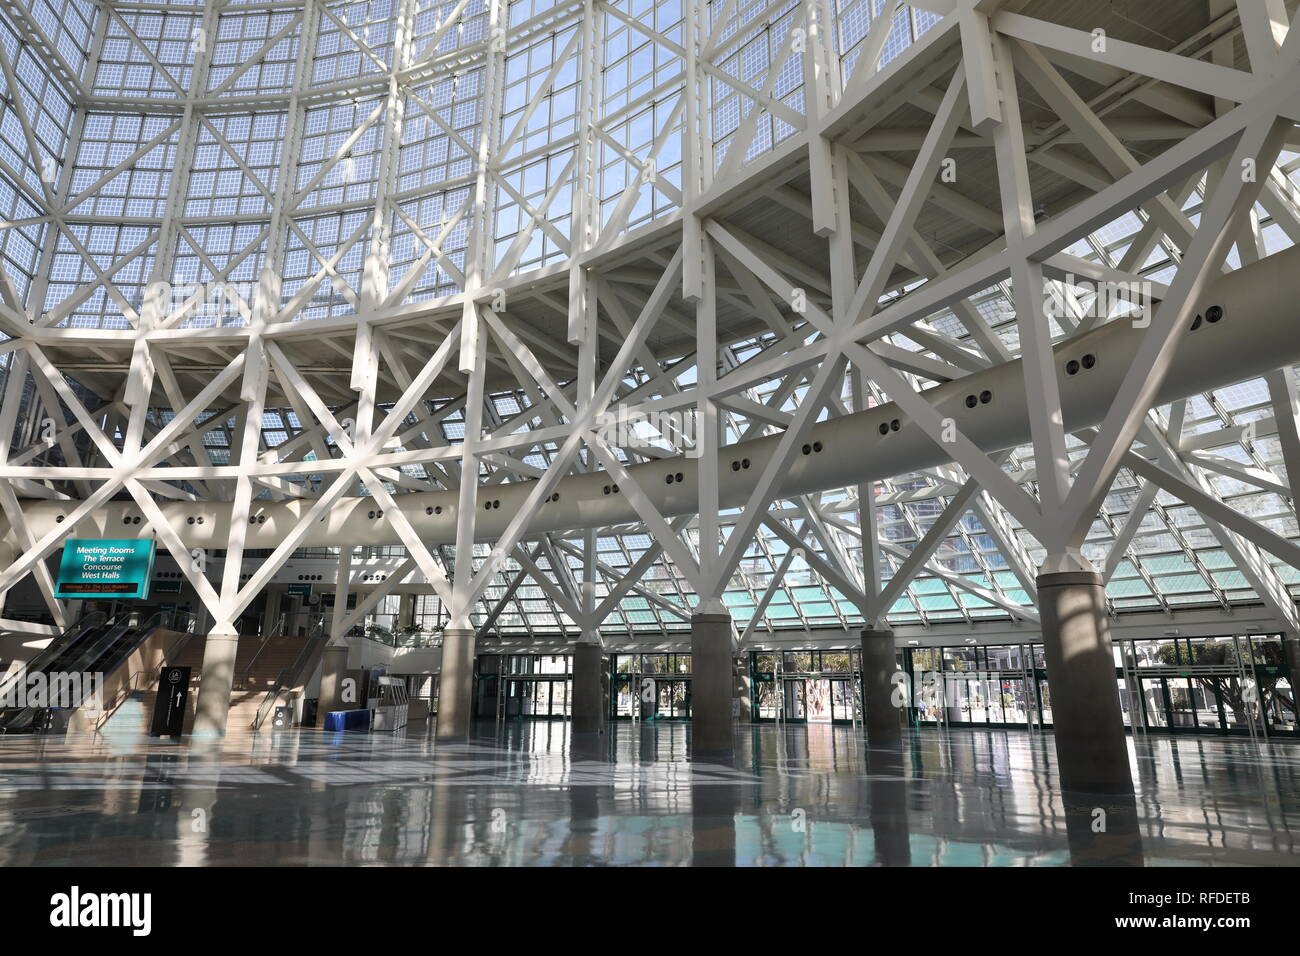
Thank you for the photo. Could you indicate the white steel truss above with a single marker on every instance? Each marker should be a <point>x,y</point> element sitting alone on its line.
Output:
<point>279,266</point>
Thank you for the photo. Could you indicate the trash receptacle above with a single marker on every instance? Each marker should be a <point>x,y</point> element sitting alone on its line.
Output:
<point>347,720</point>
<point>283,719</point>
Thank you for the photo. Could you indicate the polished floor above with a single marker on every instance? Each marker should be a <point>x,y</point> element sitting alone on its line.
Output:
<point>522,795</point>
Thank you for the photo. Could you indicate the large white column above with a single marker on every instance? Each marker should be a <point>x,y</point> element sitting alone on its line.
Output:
<point>333,671</point>
<point>588,693</point>
<point>1291,655</point>
<point>1091,747</point>
<point>711,686</point>
<point>8,554</point>
<point>274,595</point>
<point>879,665</point>
<point>405,611</point>
<point>218,678</point>
<point>456,685</point>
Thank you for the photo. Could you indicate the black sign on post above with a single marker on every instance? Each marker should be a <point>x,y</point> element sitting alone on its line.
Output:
<point>169,711</point>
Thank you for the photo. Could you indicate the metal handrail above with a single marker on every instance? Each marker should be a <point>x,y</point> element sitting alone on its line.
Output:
<point>52,650</point>
<point>1189,670</point>
<point>86,658</point>
<point>376,634</point>
<point>125,694</point>
<point>277,628</point>
<point>89,657</point>
<point>400,638</point>
<point>122,697</point>
<point>289,676</point>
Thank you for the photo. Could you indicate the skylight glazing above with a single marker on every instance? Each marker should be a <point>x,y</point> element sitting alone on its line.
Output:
<point>307,137</point>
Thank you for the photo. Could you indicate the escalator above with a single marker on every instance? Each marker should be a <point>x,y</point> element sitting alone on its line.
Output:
<point>95,645</point>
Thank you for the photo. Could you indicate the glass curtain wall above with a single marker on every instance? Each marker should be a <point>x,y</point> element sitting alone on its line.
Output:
<point>650,687</point>
<point>536,686</point>
<point>1218,685</point>
<point>806,686</point>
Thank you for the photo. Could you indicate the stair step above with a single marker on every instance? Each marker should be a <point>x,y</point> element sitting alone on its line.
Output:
<point>132,718</point>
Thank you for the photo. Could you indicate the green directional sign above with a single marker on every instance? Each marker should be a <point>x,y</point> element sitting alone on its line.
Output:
<point>105,568</point>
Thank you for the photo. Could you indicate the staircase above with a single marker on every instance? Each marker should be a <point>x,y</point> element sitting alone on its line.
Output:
<point>114,648</point>
<point>133,681</point>
<point>258,663</point>
<point>131,716</point>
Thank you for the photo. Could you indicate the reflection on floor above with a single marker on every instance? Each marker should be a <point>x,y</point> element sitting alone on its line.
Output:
<point>522,795</point>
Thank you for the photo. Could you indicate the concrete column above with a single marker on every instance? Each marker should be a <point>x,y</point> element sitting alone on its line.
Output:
<point>881,718</point>
<point>295,620</point>
<point>588,695</point>
<point>213,705</point>
<point>456,685</point>
<point>333,670</point>
<point>1291,658</point>
<point>1091,750</point>
<point>405,610</point>
<point>273,595</point>
<point>8,555</point>
<point>1291,654</point>
<point>711,686</point>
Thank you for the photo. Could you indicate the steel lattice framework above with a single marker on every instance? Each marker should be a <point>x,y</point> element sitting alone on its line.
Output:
<point>339,253</point>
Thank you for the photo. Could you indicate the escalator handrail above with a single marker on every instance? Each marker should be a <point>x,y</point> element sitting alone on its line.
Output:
<point>96,648</point>
<point>88,657</point>
<point>94,658</point>
<point>55,649</point>
<point>146,677</point>
<point>276,629</point>
<point>159,620</point>
<point>96,642</point>
<point>75,656</point>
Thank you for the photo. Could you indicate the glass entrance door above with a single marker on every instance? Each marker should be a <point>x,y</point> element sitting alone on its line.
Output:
<point>1210,704</point>
<point>624,695</point>
<point>487,695</point>
<point>1012,700</point>
<point>767,699</point>
<point>844,702</point>
<point>794,699</point>
<point>544,698</point>
<point>1044,698</point>
<point>672,699</point>
<point>817,700</point>
<point>1180,703</point>
<point>813,686</point>
<point>537,698</point>
<point>1182,709</point>
<point>560,705</point>
<point>648,697</point>
<point>650,687</point>
<point>1154,703</point>
<point>1279,701</point>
